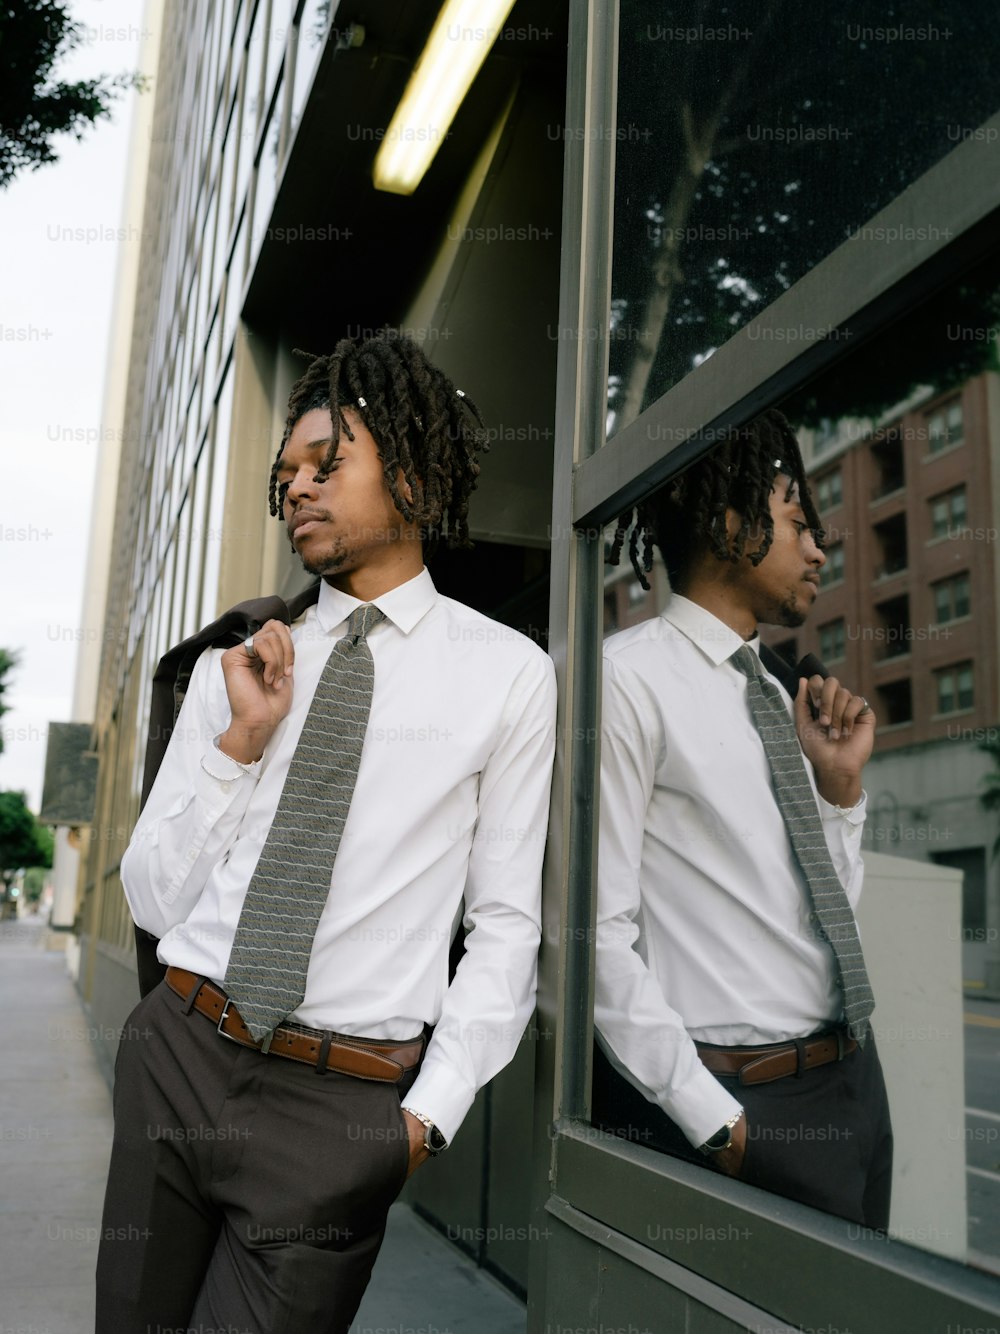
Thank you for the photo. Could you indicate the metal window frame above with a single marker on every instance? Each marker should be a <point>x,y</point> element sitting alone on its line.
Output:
<point>854,293</point>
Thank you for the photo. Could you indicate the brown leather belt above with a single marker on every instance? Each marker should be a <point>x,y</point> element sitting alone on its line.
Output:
<point>759,1065</point>
<point>365,1058</point>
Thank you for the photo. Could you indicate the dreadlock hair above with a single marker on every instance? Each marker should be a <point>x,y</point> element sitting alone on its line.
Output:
<point>690,511</point>
<point>420,422</point>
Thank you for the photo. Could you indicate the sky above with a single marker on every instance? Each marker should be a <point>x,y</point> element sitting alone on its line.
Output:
<point>60,229</point>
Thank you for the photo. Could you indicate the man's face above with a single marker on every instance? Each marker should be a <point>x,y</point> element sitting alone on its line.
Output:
<point>783,587</point>
<point>348,522</point>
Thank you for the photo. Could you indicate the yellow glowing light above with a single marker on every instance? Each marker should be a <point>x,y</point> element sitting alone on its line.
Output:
<point>459,43</point>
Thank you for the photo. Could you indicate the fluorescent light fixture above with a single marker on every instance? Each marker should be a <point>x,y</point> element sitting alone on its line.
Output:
<point>459,43</point>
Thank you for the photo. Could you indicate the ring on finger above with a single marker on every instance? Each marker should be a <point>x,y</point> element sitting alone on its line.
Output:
<point>248,645</point>
<point>867,708</point>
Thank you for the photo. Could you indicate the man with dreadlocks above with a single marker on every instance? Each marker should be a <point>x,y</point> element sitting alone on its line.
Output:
<point>335,789</point>
<point>732,1001</point>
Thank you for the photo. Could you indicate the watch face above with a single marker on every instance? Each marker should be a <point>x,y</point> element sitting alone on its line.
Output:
<point>720,1140</point>
<point>434,1140</point>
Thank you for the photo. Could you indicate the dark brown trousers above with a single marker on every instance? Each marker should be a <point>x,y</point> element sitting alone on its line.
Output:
<point>824,1139</point>
<point>246,1192</point>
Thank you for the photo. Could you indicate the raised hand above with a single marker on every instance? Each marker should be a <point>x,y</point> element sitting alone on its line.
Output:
<point>839,741</point>
<point>259,686</point>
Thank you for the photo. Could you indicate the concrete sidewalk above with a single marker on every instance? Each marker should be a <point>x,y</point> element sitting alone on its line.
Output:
<point>55,1141</point>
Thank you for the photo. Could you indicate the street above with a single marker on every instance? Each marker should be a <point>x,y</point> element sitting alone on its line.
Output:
<point>982,1131</point>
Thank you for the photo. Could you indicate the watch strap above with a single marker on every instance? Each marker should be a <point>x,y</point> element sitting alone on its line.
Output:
<point>434,1140</point>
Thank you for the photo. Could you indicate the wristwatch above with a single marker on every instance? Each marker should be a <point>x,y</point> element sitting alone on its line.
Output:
<point>434,1141</point>
<point>722,1139</point>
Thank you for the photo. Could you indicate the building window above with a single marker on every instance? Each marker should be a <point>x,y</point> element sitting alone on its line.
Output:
<point>895,703</point>
<point>893,630</point>
<point>830,490</point>
<point>888,464</point>
<point>825,435</point>
<point>832,639</point>
<point>891,535</point>
<point>833,571</point>
<point>948,512</point>
<point>954,688</point>
<point>951,598</point>
<point>944,426</point>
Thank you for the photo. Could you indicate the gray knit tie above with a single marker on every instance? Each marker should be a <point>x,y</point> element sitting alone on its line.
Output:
<point>797,804</point>
<point>266,977</point>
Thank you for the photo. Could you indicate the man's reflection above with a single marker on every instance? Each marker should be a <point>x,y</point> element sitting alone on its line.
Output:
<point>731,990</point>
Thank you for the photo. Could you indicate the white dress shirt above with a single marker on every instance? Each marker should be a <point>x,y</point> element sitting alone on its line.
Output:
<point>451,799</point>
<point>704,927</point>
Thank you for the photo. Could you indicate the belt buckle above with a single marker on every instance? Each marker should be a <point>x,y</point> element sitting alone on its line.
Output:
<point>222,1019</point>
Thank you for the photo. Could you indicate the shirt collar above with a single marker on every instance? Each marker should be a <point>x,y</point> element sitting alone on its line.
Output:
<point>404,605</point>
<point>716,640</point>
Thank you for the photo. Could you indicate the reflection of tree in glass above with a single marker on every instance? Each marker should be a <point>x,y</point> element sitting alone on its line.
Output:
<point>318,30</point>
<point>753,139</point>
<point>940,344</point>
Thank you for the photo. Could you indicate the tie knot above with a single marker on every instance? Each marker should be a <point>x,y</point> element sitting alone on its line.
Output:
<point>745,661</point>
<point>362,619</point>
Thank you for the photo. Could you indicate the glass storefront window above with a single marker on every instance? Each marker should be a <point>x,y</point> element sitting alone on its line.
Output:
<point>199,493</point>
<point>212,71</point>
<point>266,180</point>
<point>279,23</point>
<point>212,260</point>
<point>184,544</point>
<point>750,145</point>
<point>171,600</point>
<point>254,61</point>
<point>309,38</point>
<point>901,630</point>
<point>212,348</point>
<point>227,168</point>
<point>215,515</point>
<point>234,288</point>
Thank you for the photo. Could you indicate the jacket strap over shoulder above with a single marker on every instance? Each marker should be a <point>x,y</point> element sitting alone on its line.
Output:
<point>788,675</point>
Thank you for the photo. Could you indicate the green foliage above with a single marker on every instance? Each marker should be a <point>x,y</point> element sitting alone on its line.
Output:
<point>920,349</point>
<point>7,662</point>
<point>35,106</point>
<point>23,841</point>
<point>34,883</point>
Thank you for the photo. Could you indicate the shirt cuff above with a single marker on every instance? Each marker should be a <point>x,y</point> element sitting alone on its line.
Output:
<point>217,764</point>
<point>701,1107</point>
<point>852,814</point>
<point>438,1094</point>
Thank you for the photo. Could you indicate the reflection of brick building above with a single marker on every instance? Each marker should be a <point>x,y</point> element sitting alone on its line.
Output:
<point>907,616</point>
<point>907,608</point>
